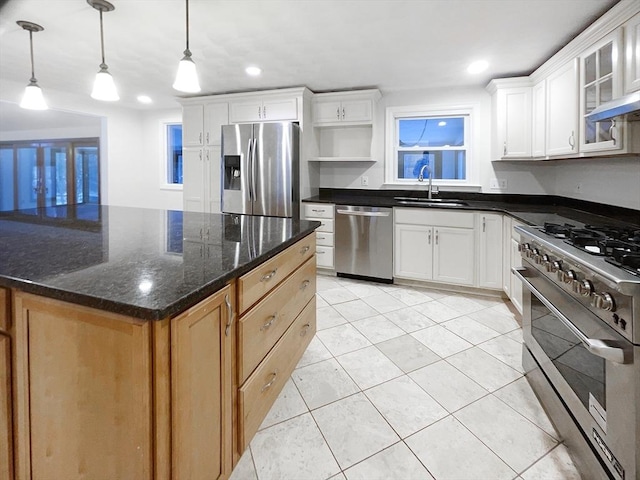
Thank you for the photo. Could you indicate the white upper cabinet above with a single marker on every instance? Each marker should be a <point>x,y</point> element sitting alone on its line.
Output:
<point>263,109</point>
<point>328,111</point>
<point>562,110</point>
<point>632,54</point>
<point>344,125</point>
<point>217,115</point>
<point>538,119</point>
<point>512,108</point>
<point>192,125</point>
<point>600,82</point>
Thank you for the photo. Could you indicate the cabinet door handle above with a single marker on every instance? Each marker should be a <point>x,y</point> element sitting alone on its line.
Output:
<point>230,310</point>
<point>613,129</point>
<point>305,329</point>
<point>271,382</point>
<point>200,154</point>
<point>305,249</point>
<point>572,140</point>
<point>207,155</point>
<point>429,238</point>
<point>305,284</point>
<point>271,319</point>
<point>259,112</point>
<point>207,137</point>
<point>200,137</point>
<point>338,113</point>
<point>504,149</point>
<point>343,113</point>
<point>264,112</point>
<point>436,237</point>
<point>269,275</point>
<point>484,224</point>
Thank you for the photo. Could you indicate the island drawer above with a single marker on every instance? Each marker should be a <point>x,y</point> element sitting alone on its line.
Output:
<point>264,324</point>
<point>261,280</point>
<point>261,390</point>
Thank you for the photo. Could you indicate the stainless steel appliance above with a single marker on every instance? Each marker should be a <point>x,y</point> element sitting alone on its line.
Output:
<point>581,328</point>
<point>260,169</point>
<point>364,242</point>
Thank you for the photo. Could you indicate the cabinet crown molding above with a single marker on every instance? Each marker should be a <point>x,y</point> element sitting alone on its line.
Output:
<point>284,92</point>
<point>612,19</point>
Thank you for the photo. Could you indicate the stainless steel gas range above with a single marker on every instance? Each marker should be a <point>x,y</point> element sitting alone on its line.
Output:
<point>581,327</point>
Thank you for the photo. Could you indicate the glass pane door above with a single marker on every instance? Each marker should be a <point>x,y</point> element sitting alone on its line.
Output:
<point>7,172</point>
<point>87,174</point>
<point>28,182</point>
<point>55,176</point>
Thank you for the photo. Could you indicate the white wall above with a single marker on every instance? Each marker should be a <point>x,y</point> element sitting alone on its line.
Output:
<point>130,147</point>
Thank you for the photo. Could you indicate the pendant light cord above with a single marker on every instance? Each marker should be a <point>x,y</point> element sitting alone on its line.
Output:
<point>33,75</point>
<point>187,17</point>
<point>102,65</point>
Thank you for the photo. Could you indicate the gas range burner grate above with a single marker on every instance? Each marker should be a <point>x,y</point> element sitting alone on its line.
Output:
<point>624,255</point>
<point>556,230</point>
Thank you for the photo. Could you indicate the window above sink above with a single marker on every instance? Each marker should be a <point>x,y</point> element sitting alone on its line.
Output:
<point>422,139</point>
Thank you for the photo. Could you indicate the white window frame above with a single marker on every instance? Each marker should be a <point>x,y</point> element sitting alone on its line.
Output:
<point>395,114</point>
<point>164,151</point>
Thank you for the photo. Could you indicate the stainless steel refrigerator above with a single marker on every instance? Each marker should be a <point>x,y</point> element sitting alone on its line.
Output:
<point>260,169</point>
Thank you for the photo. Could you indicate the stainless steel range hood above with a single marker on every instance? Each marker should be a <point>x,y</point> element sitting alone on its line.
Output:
<point>628,105</point>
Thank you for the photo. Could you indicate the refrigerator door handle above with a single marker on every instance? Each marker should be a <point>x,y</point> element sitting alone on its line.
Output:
<point>254,174</point>
<point>250,168</point>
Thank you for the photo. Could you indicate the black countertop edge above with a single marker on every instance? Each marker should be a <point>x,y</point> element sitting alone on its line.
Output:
<point>143,313</point>
<point>510,204</point>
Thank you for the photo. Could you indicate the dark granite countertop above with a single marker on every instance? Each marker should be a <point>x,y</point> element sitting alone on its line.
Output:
<point>145,263</point>
<point>530,209</point>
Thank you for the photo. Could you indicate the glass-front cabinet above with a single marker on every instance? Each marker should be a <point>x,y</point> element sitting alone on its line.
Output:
<point>601,79</point>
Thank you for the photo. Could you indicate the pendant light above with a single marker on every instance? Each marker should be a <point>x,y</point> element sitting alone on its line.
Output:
<point>187,76</point>
<point>32,98</point>
<point>103,86</point>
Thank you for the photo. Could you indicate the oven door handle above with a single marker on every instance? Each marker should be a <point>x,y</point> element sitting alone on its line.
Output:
<point>607,349</point>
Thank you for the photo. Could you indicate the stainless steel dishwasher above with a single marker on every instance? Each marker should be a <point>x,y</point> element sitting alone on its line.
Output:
<point>364,242</point>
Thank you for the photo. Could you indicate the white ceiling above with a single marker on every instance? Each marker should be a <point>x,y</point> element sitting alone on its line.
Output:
<point>323,44</point>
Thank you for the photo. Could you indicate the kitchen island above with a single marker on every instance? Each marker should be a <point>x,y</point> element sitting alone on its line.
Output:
<point>129,342</point>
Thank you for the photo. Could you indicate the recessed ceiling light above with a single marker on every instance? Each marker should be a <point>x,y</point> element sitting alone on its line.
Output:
<point>253,71</point>
<point>144,99</point>
<point>478,66</point>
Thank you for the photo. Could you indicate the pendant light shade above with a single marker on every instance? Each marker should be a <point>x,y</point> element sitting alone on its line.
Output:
<point>32,98</point>
<point>187,76</point>
<point>104,87</point>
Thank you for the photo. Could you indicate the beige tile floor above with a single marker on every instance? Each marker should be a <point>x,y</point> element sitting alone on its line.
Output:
<point>407,383</point>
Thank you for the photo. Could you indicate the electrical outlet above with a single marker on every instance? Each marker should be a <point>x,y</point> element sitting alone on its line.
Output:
<point>493,184</point>
<point>502,182</point>
<point>364,181</point>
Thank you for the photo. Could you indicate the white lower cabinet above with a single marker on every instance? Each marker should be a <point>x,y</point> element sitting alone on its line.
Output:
<point>201,179</point>
<point>323,213</point>
<point>516,261</point>
<point>434,245</point>
<point>489,235</point>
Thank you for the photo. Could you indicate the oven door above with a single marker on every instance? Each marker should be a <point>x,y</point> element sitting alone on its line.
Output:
<point>587,363</point>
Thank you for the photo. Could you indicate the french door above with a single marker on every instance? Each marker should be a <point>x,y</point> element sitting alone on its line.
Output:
<point>47,174</point>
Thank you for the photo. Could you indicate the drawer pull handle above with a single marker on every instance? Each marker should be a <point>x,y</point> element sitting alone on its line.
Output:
<point>269,275</point>
<point>321,238</point>
<point>305,249</point>
<point>272,319</point>
<point>320,252</point>
<point>318,210</point>
<point>230,310</point>
<point>305,329</point>
<point>305,284</point>
<point>271,382</point>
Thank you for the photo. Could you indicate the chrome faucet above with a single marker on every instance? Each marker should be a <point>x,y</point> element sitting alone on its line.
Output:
<point>421,178</point>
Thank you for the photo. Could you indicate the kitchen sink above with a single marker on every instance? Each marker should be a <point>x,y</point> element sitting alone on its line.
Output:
<point>433,202</point>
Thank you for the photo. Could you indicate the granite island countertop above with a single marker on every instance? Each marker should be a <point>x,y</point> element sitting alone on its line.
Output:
<point>530,209</point>
<point>145,263</point>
